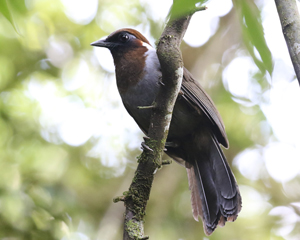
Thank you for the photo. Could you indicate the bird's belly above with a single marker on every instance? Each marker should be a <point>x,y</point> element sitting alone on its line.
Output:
<point>138,101</point>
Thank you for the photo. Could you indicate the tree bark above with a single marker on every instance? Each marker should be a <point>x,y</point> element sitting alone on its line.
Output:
<point>170,58</point>
<point>290,22</point>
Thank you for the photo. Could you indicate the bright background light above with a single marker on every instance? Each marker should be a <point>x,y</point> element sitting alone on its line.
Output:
<point>204,24</point>
<point>66,137</point>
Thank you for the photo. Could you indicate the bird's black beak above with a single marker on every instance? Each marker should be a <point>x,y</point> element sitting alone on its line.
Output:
<point>102,43</point>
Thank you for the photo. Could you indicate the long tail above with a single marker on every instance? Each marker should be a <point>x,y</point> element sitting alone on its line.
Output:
<point>215,195</point>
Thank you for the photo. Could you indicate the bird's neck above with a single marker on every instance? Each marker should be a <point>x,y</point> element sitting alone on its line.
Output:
<point>130,68</point>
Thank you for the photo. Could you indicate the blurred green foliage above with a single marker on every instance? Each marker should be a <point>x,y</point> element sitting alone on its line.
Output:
<point>53,189</point>
<point>4,9</point>
<point>181,8</point>
<point>253,34</point>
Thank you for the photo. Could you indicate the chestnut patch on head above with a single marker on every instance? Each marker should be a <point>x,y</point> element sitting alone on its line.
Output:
<point>133,32</point>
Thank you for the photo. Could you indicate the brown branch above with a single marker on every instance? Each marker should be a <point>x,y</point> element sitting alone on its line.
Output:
<point>150,160</point>
<point>290,22</point>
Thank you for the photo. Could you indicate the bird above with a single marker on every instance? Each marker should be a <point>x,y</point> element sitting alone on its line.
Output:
<point>196,129</point>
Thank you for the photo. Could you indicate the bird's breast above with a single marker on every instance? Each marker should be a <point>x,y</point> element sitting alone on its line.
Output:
<point>141,92</point>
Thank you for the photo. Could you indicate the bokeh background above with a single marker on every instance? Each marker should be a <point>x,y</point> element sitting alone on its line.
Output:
<point>68,147</point>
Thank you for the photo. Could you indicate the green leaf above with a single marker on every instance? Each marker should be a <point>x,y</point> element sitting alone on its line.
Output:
<point>18,6</point>
<point>253,34</point>
<point>4,9</point>
<point>182,7</point>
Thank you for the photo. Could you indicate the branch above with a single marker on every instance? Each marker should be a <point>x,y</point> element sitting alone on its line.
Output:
<point>289,18</point>
<point>150,160</point>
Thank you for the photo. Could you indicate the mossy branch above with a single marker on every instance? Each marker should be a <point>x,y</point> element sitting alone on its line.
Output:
<point>151,158</point>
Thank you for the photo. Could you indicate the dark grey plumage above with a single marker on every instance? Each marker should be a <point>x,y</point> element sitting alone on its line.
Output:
<point>195,132</point>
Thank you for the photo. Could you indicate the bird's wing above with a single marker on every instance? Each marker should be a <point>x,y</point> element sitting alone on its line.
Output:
<point>194,94</point>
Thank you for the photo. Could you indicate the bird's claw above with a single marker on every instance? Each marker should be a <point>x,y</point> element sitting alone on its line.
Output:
<point>145,147</point>
<point>146,138</point>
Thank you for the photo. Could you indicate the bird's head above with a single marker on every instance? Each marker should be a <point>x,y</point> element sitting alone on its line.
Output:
<point>123,41</point>
<point>131,52</point>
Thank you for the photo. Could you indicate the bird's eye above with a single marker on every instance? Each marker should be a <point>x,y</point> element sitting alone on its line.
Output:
<point>124,38</point>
